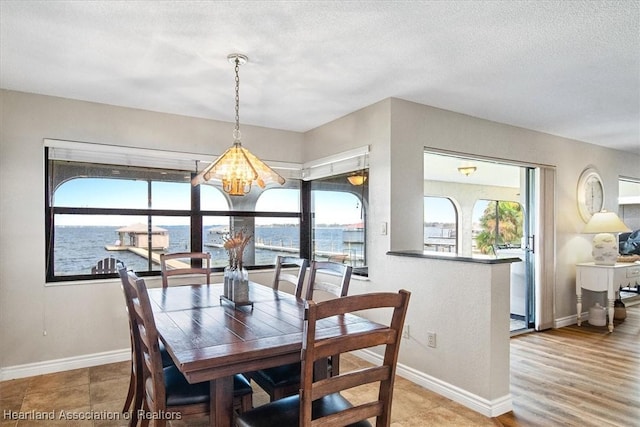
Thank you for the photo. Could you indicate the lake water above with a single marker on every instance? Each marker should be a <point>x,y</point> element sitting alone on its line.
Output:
<point>80,248</point>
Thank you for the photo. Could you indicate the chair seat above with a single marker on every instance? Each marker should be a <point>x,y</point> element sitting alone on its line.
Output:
<point>286,412</point>
<point>278,376</point>
<point>180,392</point>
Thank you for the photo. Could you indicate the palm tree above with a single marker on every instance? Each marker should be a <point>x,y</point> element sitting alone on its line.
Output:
<point>503,228</point>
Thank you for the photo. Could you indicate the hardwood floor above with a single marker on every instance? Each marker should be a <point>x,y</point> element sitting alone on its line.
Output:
<point>577,376</point>
<point>573,376</point>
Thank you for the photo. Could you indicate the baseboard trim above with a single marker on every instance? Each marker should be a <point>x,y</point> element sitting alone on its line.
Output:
<point>569,320</point>
<point>483,406</point>
<point>65,364</point>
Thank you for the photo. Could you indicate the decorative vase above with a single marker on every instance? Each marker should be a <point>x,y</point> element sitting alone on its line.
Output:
<point>598,315</point>
<point>619,310</point>
<point>228,275</point>
<point>240,285</point>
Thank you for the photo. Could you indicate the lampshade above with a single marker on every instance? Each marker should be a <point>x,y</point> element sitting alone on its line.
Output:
<point>357,179</point>
<point>605,222</point>
<point>605,244</point>
<point>237,168</point>
<point>467,170</point>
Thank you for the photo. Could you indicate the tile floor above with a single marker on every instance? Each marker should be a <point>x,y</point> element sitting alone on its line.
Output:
<point>101,390</point>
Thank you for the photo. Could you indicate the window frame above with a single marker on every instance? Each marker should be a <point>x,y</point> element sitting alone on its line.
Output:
<point>95,153</point>
<point>195,215</point>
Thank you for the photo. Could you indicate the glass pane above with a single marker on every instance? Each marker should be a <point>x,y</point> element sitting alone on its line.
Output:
<point>279,200</point>
<point>101,193</point>
<point>496,225</point>
<point>440,225</point>
<point>171,195</point>
<point>212,199</point>
<point>338,228</point>
<point>214,230</point>
<point>270,237</point>
<point>82,241</point>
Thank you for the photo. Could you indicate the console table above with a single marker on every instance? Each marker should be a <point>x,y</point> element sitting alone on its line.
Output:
<point>601,278</point>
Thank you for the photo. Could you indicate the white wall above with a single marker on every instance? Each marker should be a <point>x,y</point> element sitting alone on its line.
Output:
<point>80,318</point>
<point>415,126</point>
<point>396,196</point>
<point>87,318</point>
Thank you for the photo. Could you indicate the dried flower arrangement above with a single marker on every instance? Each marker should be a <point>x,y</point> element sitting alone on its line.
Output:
<point>235,244</point>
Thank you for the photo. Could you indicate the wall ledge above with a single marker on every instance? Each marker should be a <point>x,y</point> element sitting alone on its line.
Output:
<point>452,257</point>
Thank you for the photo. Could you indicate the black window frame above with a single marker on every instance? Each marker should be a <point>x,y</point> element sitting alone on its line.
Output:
<point>195,214</point>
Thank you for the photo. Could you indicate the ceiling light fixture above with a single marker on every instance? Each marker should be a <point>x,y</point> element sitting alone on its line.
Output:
<point>237,168</point>
<point>358,178</point>
<point>467,170</point>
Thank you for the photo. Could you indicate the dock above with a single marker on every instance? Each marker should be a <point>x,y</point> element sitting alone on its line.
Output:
<point>144,253</point>
<point>331,256</point>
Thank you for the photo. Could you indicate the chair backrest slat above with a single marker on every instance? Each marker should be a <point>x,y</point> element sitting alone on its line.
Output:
<point>318,347</point>
<point>297,280</point>
<point>338,288</point>
<point>173,264</point>
<point>106,265</point>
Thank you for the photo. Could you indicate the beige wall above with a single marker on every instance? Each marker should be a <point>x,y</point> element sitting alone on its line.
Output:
<point>80,318</point>
<point>396,188</point>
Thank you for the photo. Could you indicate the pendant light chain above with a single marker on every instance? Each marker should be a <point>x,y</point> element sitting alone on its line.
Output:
<point>236,131</point>
<point>237,168</point>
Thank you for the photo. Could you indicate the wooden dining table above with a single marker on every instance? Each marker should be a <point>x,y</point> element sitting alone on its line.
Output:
<point>211,340</point>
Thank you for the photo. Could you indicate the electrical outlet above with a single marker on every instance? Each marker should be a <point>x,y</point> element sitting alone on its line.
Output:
<point>431,339</point>
<point>405,332</point>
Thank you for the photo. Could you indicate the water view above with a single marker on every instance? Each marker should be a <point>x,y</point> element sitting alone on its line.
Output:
<point>79,248</point>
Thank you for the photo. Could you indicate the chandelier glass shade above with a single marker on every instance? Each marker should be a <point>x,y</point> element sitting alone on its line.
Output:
<point>237,168</point>
<point>357,178</point>
<point>467,170</point>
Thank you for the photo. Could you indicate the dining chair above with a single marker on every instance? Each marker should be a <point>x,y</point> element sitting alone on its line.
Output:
<point>281,381</point>
<point>320,402</point>
<point>297,280</point>
<point>133,401</point>
<point>161,389</point>
<point>284,380</point>
<point>339,287</point>
<point>173,264</point>
<point>106,265</point>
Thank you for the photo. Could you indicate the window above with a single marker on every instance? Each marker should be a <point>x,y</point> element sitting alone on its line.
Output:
<point>440,225</point>
<point>134,213</point>
<point>497,225</point>
<point>133,204</point>
<point>339,218</point>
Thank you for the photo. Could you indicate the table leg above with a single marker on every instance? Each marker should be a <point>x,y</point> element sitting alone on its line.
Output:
<point>579,307</point>
<point>612,310</point>
<point>221,402</point>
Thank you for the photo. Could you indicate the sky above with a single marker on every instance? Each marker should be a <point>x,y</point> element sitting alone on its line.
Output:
<point>331,207</point>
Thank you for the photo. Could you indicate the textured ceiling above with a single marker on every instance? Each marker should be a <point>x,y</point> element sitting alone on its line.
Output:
<point>568,68</point>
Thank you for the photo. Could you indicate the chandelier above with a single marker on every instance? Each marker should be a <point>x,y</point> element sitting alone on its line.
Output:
<point>467,170</point>
<point>237,168</point>
<point>358,178</point>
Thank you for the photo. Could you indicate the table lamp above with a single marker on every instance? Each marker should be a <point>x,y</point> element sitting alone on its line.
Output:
<point>605,244</point>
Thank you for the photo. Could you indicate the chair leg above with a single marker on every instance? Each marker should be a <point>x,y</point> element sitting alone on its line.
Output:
<point>138,400</point>
<point>246,403</point>
<point>131,393</point>
<point>145,420</point>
